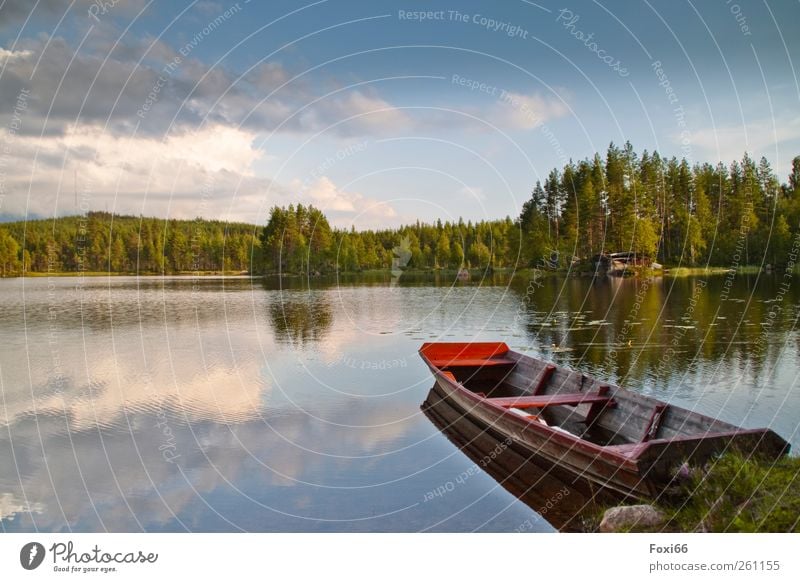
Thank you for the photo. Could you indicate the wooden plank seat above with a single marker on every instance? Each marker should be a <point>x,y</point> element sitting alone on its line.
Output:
<point>472,362</point>
<point>551,400</point>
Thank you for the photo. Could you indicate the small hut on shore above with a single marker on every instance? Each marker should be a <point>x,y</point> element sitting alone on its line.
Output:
<point>620,263</point>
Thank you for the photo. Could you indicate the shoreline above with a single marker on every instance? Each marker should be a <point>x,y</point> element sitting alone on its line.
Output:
<point>735,492</point>
<point>39,275</point>
<point>478,272</point>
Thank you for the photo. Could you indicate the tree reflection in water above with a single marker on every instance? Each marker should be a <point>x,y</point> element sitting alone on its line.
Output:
<point>299,318</point>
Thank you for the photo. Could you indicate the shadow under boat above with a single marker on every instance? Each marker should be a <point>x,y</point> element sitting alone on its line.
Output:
<point>564,500</point>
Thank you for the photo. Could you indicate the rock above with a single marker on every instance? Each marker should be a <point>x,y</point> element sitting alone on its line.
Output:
<point>631,517</point>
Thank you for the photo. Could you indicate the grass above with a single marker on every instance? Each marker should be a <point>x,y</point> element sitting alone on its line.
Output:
<point>584,269</point>
<point>741,494</point>
<point>690,271</point>
<point>734,493</point>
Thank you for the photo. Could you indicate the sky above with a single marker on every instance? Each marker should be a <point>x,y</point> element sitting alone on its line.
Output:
<point>379,113</point>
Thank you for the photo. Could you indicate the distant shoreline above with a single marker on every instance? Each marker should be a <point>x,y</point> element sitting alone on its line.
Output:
<point>39,275</point>
<point>476,273</point>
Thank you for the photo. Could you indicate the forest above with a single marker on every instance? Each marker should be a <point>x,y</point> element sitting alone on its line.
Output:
<point>664,209</point>
<point>102,242</point>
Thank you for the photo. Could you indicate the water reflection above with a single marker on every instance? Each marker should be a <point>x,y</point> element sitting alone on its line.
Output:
<point>178,408</point>
<point>300,317</point>
<point>223,404</point>
<point>633,319</point>
<point>723,345</point>
<point>565,501</point>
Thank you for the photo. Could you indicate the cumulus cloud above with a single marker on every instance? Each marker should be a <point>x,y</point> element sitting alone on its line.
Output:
<point>344,207</point>
<point>473,192</point>
<point>207,171</point>
<point>138,119</point>
<point>13,11</point>
<point>146,124</point>
<point>509,111</point>
<point>9,56</point>
<point>355,113</point>
<point>152,87</point>
<point>167,176</point>
<point>229,419</point>
<point>122,88</point>
<point>11,505</point>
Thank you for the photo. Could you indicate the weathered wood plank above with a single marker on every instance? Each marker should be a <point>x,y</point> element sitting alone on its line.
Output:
<point>550,400</point>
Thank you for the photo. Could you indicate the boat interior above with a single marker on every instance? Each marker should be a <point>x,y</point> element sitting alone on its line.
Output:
<point>563,399</point>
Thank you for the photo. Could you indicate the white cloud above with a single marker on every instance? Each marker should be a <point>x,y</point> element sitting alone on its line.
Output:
<point>345,208</point>
<point>10,506</point>
<point>110,81</point>
<point>212,148</point>
<point>199,128</point>
<point>207,172</point>
<point>517,111</point>
<point>371,115</point>
<point>229,389</point>
<point>7,56</point>
<point>729,142</point>
<point>182,175</point>
<point>325,195</point>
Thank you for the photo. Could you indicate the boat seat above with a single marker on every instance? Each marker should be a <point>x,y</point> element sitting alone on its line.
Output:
<point>551,400</point>
<point>472,362</point>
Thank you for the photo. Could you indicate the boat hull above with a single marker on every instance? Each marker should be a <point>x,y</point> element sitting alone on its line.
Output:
<point>620,475</point>
<point>617,439</point>
<point>560,497</point>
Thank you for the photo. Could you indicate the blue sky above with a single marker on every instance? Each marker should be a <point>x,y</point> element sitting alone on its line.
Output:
<point>367,110</point>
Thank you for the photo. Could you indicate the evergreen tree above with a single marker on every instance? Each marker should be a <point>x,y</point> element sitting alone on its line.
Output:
<point>663,209</point>
<point>9,254</point>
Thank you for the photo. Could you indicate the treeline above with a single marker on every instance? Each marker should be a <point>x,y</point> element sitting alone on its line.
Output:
<point>100,242</point>
<point>663,209</point>
<point>300,239</point>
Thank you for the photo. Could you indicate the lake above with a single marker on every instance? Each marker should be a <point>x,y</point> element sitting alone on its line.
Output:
<point>238,404</point>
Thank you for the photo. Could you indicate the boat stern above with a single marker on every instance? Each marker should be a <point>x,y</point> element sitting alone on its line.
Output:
<point>444,354</point>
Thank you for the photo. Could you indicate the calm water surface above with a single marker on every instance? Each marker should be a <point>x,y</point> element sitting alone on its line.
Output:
<point>173,404</point>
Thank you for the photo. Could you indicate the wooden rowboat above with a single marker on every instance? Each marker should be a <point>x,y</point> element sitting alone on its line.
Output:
<point>556,495</point>
<point>629,443</point>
